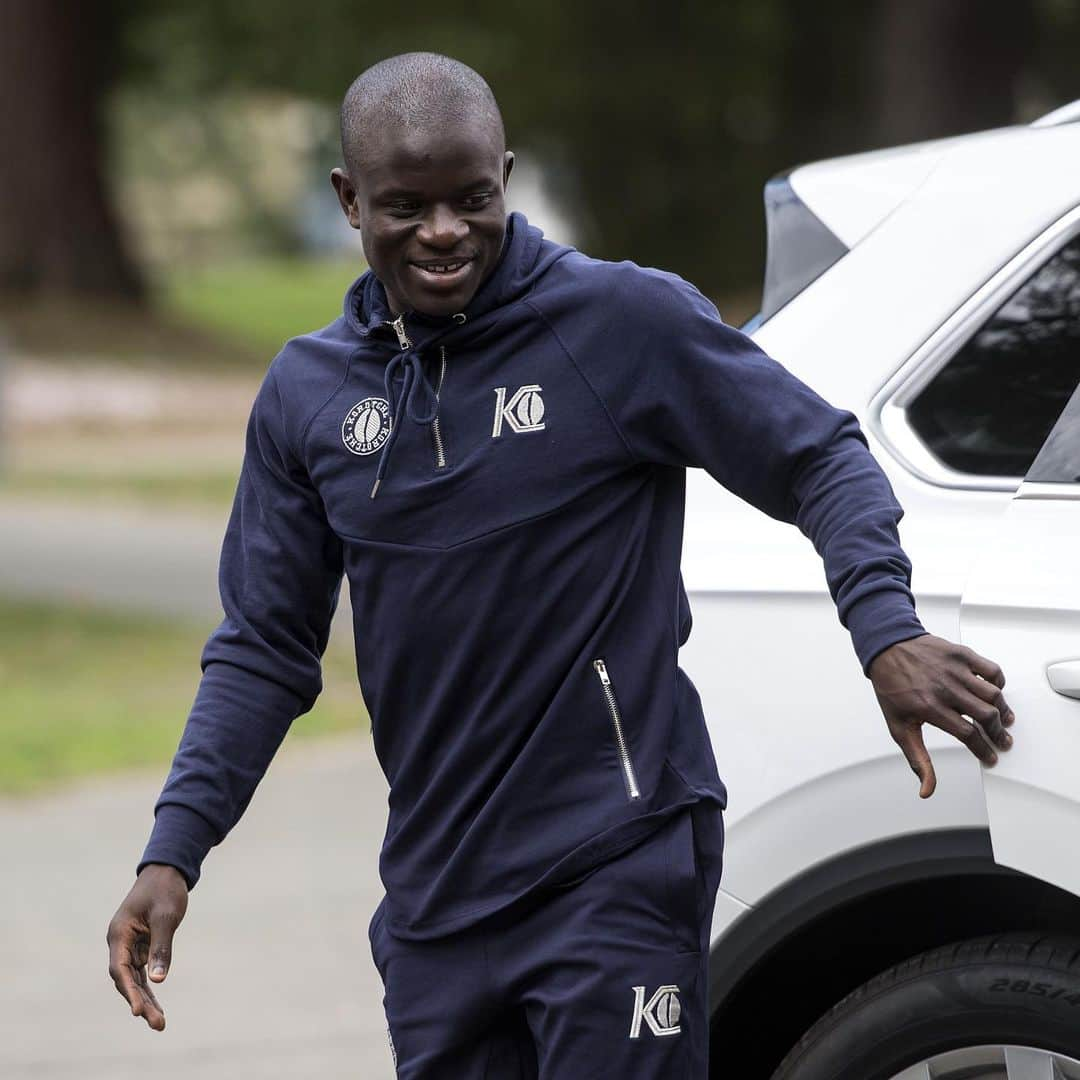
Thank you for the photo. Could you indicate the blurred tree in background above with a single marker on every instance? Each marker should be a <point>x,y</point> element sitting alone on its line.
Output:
<point>58,228</point>
<point>657,124</point>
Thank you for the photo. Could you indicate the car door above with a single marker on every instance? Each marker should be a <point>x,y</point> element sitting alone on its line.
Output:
<point>1021,607</point>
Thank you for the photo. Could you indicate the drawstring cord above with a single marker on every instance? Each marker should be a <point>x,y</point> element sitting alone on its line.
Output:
<point>413,382</point>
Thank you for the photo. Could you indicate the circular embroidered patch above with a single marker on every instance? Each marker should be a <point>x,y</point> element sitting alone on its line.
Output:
<point>366,426</point>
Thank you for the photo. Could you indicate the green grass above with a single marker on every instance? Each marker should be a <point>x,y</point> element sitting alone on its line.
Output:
<point>195,490</point>
<point>260,303</point>
<point>233,315</point>
<point>84,691</point>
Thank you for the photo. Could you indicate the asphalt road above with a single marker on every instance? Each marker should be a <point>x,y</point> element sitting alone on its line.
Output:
<point>272,975</point>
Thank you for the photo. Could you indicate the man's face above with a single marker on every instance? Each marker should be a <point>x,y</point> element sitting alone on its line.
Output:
<point>430,204</point>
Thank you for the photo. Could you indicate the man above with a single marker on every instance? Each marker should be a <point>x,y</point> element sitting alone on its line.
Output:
<point>492,442</point>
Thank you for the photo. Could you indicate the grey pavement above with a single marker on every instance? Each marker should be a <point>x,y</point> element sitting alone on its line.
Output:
<point>272,974</point>
<point>125,557</point>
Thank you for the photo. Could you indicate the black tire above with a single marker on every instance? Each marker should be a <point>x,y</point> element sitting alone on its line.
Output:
<point>1013,989</point>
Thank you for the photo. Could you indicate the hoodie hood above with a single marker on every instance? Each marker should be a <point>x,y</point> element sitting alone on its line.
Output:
<point>525,257</point>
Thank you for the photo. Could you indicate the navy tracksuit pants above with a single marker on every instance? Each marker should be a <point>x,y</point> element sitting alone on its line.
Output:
<point>605,976</point>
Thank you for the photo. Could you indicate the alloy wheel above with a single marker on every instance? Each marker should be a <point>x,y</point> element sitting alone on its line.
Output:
<point>994,1063</point>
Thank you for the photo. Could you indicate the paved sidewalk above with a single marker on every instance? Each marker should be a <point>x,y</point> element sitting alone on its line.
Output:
<point>121,557</point>
<point>125,558</point>
<point>272,974</point>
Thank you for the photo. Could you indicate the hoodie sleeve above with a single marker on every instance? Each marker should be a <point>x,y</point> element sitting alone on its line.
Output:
<point>279,578</point>
<point>683,388</point>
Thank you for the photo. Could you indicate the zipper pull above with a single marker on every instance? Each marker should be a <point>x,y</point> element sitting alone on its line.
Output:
<point>601,670</point>
<point>399,328</point>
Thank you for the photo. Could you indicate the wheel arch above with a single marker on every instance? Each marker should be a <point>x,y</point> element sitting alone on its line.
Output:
<point>833,927</point>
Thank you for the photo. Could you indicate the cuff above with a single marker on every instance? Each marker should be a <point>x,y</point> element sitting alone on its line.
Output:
<point>181,837</point>
<point>879,620</point>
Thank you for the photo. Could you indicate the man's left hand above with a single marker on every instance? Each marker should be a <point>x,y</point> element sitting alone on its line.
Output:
<point>928,680</point>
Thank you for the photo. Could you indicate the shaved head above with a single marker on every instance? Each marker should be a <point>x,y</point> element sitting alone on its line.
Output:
<point>424,179</point>
<point>415,91</point>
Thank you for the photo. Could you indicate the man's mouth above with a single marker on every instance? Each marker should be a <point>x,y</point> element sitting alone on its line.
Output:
<point>444,272</point>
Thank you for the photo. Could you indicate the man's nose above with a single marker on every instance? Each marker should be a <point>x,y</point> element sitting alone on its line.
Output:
<point>442,228</point>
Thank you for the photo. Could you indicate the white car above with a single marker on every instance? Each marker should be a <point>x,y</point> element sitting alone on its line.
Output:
<point>861,932</point>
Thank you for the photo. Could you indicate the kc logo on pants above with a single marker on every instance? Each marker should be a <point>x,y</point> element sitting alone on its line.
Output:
<point>661,1012</point>
<point>523,412</point>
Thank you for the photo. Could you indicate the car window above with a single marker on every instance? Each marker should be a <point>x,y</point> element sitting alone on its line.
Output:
<point>1059,459</point>
<point>989,410</point>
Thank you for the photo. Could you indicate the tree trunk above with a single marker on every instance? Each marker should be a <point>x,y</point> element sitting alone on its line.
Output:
<point>948,66</point>
<point>58,231</point>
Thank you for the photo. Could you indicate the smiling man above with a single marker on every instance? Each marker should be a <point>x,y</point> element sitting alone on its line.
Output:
<point>403,141</point>
<point>555,834</point>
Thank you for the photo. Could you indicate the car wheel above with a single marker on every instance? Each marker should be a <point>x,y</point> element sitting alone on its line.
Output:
<point>1000,1007</point>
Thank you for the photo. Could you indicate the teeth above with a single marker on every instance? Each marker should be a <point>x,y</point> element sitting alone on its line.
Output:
<point>443,268</point>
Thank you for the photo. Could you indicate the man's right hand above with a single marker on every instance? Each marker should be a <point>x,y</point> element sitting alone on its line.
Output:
<point>141,932</point>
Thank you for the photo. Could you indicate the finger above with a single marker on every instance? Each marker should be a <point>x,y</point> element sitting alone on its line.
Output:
<point>127,948</point>
<point>153,1012</point>
<point>1008,717</point>
<point>911,743</point>
<point>987,669</point>
<point>148,1007</point>
<point>162,928</point>
<point>994,723</point>
<point>984,714</point>
<point>967,732</point>
<point>121,969</point>
<point>145,988</point>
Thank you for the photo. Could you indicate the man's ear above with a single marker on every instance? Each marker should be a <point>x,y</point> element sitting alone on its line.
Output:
<point>508,164</point>
<point>346,194</point>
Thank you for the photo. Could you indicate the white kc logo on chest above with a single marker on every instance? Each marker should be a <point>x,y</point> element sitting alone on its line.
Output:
<point>523,412</point>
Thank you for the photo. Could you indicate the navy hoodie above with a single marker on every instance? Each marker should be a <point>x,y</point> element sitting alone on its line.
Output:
<point>517,600</point>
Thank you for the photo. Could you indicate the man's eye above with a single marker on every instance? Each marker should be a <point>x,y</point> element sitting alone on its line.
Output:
<point>477,201</point>
<point>403,208</point>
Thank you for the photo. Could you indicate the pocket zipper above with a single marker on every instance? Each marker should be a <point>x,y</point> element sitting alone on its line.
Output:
<point>616,722</point>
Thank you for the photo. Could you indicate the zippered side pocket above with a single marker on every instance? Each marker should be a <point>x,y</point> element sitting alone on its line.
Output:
<point>629,776</point>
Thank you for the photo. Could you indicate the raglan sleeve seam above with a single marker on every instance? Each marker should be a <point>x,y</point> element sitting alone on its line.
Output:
<point>302,456</point>
<point>588,382</point>
<point>273,382</point>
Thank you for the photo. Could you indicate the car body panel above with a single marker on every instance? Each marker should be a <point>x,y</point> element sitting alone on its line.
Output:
<point>1022,606</point>
<point>799,737</point>
<point>854,194</point>
<point>726,913</point>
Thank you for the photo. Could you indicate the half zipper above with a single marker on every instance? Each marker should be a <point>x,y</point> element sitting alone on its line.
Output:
<point>629,776</point>
<point>436,431</point>
<point>398,326</point>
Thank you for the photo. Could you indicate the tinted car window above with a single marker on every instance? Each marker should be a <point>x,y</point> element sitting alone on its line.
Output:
<point>989,410</point>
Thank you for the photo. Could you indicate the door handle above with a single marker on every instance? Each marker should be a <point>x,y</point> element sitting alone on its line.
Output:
<point>1064,677</point>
